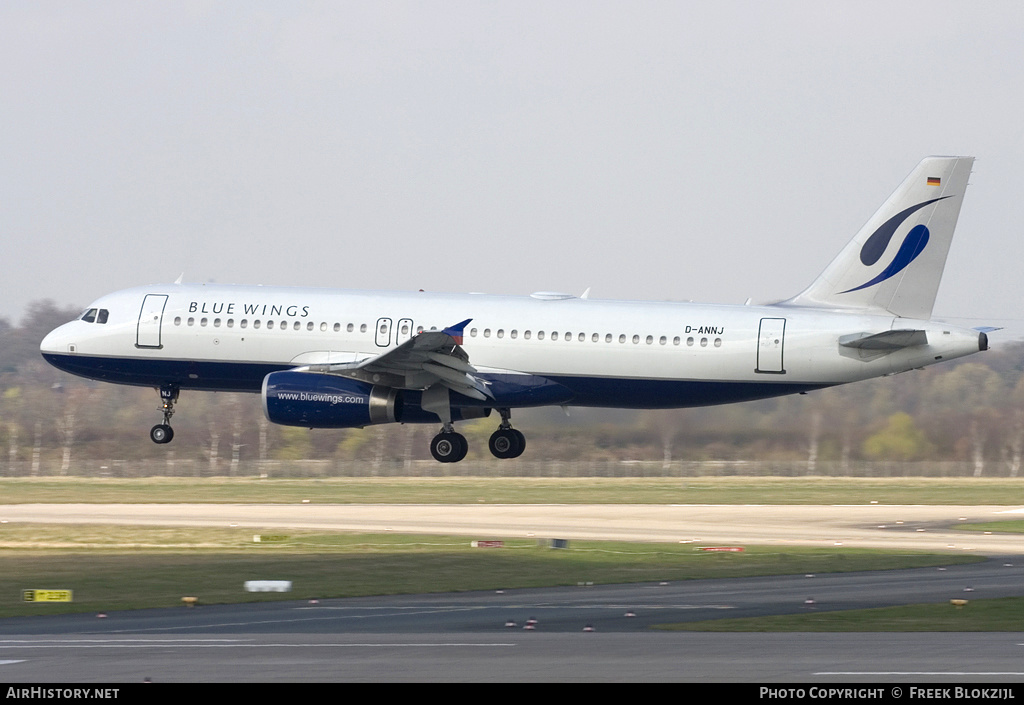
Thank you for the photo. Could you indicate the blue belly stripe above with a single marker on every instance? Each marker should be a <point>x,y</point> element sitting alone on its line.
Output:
<point>509,390</point>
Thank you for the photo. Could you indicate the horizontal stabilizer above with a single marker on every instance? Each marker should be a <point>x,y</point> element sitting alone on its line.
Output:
<point>886,341</point>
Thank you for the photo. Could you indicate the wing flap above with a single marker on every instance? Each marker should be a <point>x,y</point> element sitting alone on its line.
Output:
<point>428,358</point>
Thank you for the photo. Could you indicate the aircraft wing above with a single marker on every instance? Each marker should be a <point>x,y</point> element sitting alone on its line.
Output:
<point>428,358</point>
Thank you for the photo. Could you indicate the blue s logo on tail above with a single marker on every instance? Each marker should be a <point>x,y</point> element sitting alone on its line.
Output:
<point>913,245</point>
<point>894,263</point>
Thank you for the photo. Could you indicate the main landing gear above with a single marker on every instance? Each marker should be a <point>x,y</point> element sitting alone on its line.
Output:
<point>506,442</point>
<point>450,447</point>
<point>163,433</point>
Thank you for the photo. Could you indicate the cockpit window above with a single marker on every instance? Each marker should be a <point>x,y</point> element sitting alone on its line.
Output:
<point>95,315</point>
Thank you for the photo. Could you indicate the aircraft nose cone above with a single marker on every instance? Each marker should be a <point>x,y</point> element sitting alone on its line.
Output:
<point>56,341</point>
<point>47,345</point>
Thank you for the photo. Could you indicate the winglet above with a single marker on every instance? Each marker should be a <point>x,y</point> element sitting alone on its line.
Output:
<point>456,331</point>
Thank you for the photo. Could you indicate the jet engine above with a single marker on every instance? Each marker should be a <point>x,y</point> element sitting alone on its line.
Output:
<point>318,400</point>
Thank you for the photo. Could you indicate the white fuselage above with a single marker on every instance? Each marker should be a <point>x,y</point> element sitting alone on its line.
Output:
<point>608,353</point>
<point>344,359</point>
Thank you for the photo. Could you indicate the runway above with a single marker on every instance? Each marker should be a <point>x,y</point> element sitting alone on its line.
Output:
<point>536,658</point>
<point>483,637</point>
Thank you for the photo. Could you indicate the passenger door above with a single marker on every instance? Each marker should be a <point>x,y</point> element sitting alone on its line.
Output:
<point>150,321</point>
<point>771,342</point>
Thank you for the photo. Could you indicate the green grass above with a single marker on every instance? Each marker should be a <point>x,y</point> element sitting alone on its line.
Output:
<point>1004,527</point>
<point>477,490</point>
<point>111,567</point>
<point>996,615</point>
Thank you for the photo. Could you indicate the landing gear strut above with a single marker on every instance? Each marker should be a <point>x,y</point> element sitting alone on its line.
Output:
<point>506,442</point>
<point>163,433</point>
<point>449,446</point>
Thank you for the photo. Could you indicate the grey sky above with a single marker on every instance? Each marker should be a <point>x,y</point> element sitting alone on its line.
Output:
<point>666,150</point>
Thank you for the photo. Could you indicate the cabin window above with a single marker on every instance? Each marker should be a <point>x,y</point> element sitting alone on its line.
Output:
<point>540,335</point>
<point>216,323</point>
<point>270,325</point>
<point>608,338</point>
<point>554,335</point>
<point>568,337</point>
<point>703,342</point>
<point>718,342</point>
<point>284,325</point>
<point>337,327</point>
<point>501,332</point>
<point>177,320</point>
<point>243,323</point>
<point>350,328</point>
<point>675,341</point>
<point>487,332</point>
<point>662,340</point>
<point>323,327</point>
<point>472,332</point>
<point>230,323</point>
<point>622,338</point>
<point>362,328</point>
<point>582,337</point>
<point>689,341</point>
<point>513,334</point>
<point>526,334</point>
<point>191,321</point>
<point>636,339</point>
<point>256,323</point>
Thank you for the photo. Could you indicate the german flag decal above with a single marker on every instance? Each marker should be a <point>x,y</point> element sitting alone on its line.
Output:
<point>934,181</point>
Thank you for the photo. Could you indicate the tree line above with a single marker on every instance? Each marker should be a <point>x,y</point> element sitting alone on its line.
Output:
<point>969,411</point>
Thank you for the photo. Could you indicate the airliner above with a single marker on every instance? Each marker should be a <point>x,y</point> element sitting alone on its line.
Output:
<point>325,358</point>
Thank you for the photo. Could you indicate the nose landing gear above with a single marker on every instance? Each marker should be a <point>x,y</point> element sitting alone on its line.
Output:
<point>163,433</point>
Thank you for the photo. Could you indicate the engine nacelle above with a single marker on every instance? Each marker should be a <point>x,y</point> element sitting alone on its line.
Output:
<point>316,400</point>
